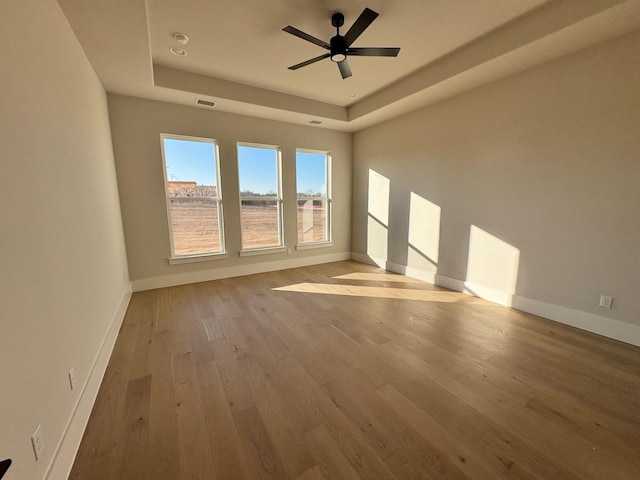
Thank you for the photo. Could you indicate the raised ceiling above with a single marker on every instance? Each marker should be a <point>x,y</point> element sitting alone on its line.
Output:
<point>238,54</point>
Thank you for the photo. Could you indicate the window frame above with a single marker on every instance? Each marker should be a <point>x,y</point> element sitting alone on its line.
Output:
<point>278,198</point>
<point>301,245</point>
<point>202,256</point>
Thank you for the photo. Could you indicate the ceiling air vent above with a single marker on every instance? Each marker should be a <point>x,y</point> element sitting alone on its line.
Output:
<point>315,122</point>
<point>205,103</point>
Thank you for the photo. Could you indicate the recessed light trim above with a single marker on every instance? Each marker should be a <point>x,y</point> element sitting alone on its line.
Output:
<point>181,38</point>
<point>352,95</point>
<point>315,122</point>
<point>180,52</point>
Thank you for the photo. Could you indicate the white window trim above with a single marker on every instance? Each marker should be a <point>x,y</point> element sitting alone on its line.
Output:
<point>250,252</point>
<point>266,250</point>
<point>312,245</point>
<point>204,256</point>
<point>327,198</point>
<point>195,258</point>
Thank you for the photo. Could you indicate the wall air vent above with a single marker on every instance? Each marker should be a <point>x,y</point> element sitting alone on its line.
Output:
<point>315,122</point>
<point>205,103</point>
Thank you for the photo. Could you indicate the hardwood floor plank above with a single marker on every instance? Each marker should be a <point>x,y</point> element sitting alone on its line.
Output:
<point>162,451</point>
<point>331,462</point>
<point>387,433</point>
<point>262,460</point>
<point>463,455</point>
<point>343,370</point>
<point>498,411</point>
<point>223,435</point>
<point>146,329</point>
<point>356,409</point>
<point>284,423</point>
<point>314,473</point>
<point>137,427</point>
<point>194,450</point>
<point>107,439</point>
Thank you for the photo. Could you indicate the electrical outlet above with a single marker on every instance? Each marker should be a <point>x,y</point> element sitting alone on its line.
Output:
<point>605,301</point>
<point>288,251</point>
<point>37,441</point>
<point>72,378</point>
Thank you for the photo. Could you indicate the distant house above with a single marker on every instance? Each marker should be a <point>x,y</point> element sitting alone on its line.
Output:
<point>181,189</point>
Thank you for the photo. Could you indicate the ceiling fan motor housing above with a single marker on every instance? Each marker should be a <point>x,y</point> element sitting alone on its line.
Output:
<point>337,19</point>
<point>338,48</point>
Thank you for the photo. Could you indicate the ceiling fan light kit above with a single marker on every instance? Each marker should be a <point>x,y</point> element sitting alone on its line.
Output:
<point>339,46</point>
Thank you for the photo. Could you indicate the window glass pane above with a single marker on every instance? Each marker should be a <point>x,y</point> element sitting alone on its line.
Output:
<point>259,177</point>
<point>260,220</point>
<point>312,184</point>
<point>312,220</point>
<point>192,192</point>
<point>258,171</point>
<point>311,172</point>
<point>194,222</point>
<point>191,162</point>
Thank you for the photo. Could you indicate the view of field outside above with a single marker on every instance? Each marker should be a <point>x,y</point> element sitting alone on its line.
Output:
<point>259,178</point>
<point>195,227</point>
<point>313,199</point>
<point>312,221</point>
<point>192,189</point>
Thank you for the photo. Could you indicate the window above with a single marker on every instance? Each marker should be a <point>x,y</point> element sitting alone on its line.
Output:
<point>313,180</point>
<point>194,199</point>
<point>260,196</point>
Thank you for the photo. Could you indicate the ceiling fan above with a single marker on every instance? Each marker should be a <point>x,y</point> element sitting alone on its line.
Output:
<point>340,46</point>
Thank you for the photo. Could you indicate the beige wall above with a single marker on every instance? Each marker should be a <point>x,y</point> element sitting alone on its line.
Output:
<point>63,271</point>
<point>527,186</point>
<point>137,125</point>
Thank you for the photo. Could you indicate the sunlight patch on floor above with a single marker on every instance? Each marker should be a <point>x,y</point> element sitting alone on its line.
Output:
<point>373,292</point>
<point>377,277</point>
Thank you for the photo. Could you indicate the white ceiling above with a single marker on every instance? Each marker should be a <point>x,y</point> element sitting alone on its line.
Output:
<point>244,42</point>
<point>238,54</point>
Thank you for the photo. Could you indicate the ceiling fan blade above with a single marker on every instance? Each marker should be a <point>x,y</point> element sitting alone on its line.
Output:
<point>309,62</point>
<point>374,51</point>
<point>364,20</point>
<point>345,70</point>
<point>306,36</point>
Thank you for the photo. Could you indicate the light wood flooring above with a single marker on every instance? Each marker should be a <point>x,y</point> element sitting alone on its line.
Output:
<point>343,371</point>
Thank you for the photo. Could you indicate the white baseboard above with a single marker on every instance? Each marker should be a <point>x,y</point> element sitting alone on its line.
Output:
<point>376,262</point>
<point>607,327</point>
<point>449,282</point>
<point>421,274</point>
<point>235,271</point>
<point>67,448</point>
<point>396,268</point>
<point>359,257</point>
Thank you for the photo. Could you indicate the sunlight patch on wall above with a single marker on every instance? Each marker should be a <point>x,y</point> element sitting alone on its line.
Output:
<point>378,218</point>
<point>492,267</point>
<point>424,236</point>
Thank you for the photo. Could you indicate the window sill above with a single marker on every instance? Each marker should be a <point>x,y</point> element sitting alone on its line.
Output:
<point>262,251</point>
<point>309,246</point>
<point>205,257</point>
